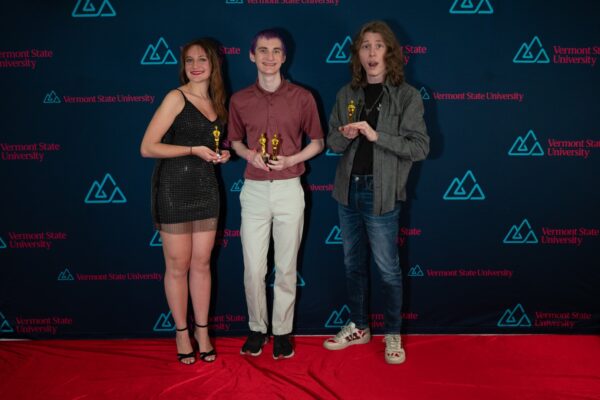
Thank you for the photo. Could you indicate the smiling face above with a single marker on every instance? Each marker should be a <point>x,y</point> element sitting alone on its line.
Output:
<point>268,56</point>
<point>372,57</point>
<point>197,64</point>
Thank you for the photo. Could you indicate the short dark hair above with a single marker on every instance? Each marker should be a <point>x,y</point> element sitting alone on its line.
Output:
<point>267,34</point>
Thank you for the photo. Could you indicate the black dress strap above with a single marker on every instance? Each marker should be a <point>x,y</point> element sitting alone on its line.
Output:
<point>183,94</point>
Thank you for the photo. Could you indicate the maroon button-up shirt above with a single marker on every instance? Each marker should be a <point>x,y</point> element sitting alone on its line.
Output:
<point>290,111</point>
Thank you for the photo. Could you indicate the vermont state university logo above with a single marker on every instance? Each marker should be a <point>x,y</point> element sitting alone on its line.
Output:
<point>531,53</point>
<point>51,98</point>
<point>416,271</point>
<point>90,8</point>
<point>2,244</point>
<point>156,240</point>
<point>4,325</point>
<point>158,54</point>
<point>237,186</point>
<point>164,323</point>
<point>514,318</point>
<point>471,7</point>
<point>340,53</point>
<point>424,93</point>
<point>522,234</point>
<point>105,192</point>
<point>335,236</point>
<point>65,275</point>
<point>466,188</point>
<point>340,318</point>
<point>526,146</point>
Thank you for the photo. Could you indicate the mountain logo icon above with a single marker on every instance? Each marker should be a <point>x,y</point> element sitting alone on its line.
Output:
<point>471,7</point>
<point>340,318</point>
<point>87,8</point>
<point>532,53</point>
<point>158,54</point>
<point>521,234</point>
<point>514,318</point>
<point>466,188</point>
<point>340,53</point>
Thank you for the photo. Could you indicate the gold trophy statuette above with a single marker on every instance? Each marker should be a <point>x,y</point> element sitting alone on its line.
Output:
<point>274,147</point>
<point>263,147</point>
<point>217,134</point>
<point>351,110</point>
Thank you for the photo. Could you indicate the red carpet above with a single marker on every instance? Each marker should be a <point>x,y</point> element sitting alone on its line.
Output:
<point>438,367</point>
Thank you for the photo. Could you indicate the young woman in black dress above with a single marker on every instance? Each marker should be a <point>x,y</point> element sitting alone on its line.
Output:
<point>185,195</point>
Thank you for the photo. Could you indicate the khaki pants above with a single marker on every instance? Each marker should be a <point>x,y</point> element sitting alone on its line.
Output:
<point>278,204</point>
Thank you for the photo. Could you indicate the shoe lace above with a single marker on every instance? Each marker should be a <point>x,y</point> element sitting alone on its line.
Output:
<point>393,343</point>
<point>345,331</point>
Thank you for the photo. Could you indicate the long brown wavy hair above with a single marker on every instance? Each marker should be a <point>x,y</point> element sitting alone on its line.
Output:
<point>394,58</point>
<point>216,88</point>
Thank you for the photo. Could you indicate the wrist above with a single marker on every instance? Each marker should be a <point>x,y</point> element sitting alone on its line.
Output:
<point>292,160</point>
<point>250,155</point>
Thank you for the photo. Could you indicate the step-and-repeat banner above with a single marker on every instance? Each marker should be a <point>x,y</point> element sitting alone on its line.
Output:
<point>500,234</point>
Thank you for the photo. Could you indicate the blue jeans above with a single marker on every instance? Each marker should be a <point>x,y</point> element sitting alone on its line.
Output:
<point>360,228</point>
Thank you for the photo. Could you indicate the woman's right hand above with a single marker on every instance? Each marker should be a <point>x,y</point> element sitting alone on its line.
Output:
<point>205,153</point>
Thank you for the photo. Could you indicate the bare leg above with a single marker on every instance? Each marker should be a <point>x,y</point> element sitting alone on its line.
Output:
<point>200,285</point>
<point>177,249</point>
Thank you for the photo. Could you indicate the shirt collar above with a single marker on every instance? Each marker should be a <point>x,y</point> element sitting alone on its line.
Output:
<point>262,92</point>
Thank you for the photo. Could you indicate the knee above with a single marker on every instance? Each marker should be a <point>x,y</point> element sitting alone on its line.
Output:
<point>254,278</point>
<point>392,277</point>
<point>200,264</point>
<point>177,267</point>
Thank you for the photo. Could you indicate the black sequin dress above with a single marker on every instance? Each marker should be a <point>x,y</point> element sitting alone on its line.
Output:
<point>185,193</point>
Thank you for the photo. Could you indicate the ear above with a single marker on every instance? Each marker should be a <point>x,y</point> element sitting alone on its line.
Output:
<point>252,58</point>
<point>283,59</point>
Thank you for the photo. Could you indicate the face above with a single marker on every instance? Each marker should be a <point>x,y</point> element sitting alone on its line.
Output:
<point>268,56</point>
<point>197,64</point>
<point>372,57</point>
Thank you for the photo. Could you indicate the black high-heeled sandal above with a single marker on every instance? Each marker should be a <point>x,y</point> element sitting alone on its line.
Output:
<point>183,356</point>
<point>205,354</point>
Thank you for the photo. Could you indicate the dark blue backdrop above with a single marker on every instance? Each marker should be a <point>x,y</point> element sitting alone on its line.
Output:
<point>501,231</point>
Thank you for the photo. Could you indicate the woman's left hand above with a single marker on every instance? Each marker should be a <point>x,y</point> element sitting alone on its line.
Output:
<point>365,129</point>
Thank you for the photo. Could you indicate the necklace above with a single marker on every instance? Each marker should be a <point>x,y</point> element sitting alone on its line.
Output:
<point>375,103</point>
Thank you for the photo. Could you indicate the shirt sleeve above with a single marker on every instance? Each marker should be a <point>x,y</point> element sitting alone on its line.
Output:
<point>311,124</point>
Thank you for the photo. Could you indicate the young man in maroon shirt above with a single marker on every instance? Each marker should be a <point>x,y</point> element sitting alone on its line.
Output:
<point>272,196</point>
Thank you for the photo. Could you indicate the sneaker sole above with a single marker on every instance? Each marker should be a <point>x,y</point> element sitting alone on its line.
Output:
<point>281,357</point>
<point>342,346</point>
<point>395,362</point>
<point>249,353</point>
<point>258,353</point>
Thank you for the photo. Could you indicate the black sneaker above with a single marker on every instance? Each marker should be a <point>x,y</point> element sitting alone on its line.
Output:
<point>282,347</point>
<point>254,343</point>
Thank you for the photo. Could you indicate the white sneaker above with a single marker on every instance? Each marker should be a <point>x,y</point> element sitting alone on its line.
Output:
<point>348,336</point>
<point>394,353</point>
